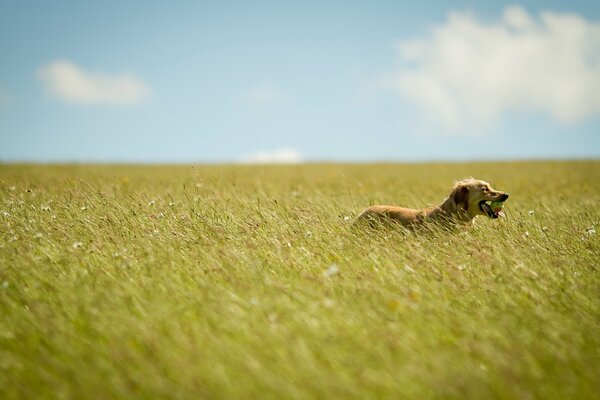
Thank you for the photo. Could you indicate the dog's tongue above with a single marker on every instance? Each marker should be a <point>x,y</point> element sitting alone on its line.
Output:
<point>497,211</point>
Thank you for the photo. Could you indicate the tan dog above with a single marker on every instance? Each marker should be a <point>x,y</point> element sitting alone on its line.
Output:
<point>467,200</point>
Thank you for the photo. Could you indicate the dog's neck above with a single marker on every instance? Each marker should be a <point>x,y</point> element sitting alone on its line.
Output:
<point>451,211</point>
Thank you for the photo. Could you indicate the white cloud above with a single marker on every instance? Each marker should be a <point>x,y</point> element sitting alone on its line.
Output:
<point>280,156</point>
<point>467,74</point>
<point>264,95</point>
<point>69,82</point>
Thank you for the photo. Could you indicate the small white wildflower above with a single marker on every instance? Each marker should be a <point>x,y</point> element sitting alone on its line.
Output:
<point>155,231</point>
<point>288,244</point>
<point>54,217</point>
<point>5,214</point>
<point>545,228</point>
<point>308,234</point>
<point>171,204</point>
<point>461,267</point>
<point>13,239</point>
<point>576,274</point>
<point>590,231</point>
<point>331,271</point>
<point>346,218</point>
<point>408,268</point>
<point>12,188</point>
<point>151,202</point>
<point>38,235</point>
<point>45,208</point>
<point>530,212</point>
<point>526,234</point>
<point>160,215</point>
<point>83,208</point>
<point>77,245</point>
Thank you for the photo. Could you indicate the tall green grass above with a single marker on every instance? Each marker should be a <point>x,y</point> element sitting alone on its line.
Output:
<point>249,282</point>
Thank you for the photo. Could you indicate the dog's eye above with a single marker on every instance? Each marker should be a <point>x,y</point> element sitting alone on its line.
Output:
<point>485,189</point>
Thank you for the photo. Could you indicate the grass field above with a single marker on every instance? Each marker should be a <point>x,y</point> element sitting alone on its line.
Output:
<point>248,282</point>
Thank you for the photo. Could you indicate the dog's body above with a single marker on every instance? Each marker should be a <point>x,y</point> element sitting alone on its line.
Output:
<point>466,201</point>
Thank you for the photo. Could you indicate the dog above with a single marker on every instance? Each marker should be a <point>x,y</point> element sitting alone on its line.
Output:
<point>468,199</point>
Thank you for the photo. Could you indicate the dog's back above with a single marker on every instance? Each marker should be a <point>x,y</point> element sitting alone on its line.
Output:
<point>379,214</point>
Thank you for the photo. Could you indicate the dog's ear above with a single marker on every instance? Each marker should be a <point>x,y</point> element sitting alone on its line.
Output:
<point>461,196</point>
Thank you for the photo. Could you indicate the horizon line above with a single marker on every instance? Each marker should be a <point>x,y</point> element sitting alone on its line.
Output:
<point>122,162</point>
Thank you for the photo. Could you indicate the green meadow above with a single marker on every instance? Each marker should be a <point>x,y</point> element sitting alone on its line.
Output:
<point>248,282</point>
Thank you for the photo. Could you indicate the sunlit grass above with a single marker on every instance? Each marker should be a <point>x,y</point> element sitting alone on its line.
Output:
<point>248,282</point>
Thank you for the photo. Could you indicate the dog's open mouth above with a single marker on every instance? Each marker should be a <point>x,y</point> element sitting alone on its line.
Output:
<point>485,206</point>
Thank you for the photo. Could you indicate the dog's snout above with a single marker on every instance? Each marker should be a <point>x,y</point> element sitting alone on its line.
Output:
<point>504,196</point>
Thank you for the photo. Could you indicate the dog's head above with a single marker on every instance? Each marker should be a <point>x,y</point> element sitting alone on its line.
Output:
<point>474,196</point>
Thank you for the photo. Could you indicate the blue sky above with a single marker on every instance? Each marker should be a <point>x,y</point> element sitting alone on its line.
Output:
<point>290,81</point>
